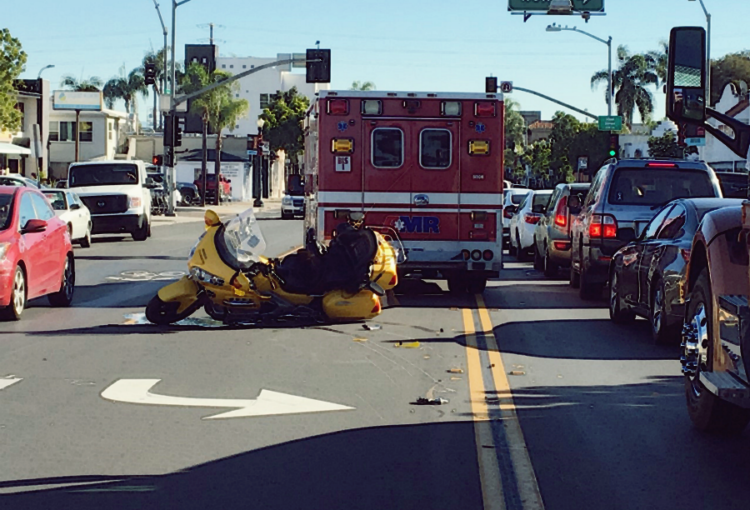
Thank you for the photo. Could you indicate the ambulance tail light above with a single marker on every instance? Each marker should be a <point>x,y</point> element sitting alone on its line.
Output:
<point>372,107</point>
<point>450,108</point>
<point>479,147</point>
<point>485,109</point>
<point>466,254</point>
<point>342,145</point>
<point>338,107</point>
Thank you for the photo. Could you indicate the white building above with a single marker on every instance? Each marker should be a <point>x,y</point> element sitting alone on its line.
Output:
<point>259,87</point>
<point>22,152</point>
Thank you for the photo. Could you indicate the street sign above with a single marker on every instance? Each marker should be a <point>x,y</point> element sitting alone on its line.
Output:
<point>506,87</point>
<point>543,5</point>
<point>695,142</point>
<point>251,152</point>
<point>610,123</point>
<point>583,163</point>
<point>73,100</point>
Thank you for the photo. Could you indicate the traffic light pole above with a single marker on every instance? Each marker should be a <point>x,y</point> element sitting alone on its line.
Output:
<point>566,105</point>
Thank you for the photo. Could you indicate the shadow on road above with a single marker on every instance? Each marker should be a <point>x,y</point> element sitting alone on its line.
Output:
<point>128,257</point>
<point>406,467</point>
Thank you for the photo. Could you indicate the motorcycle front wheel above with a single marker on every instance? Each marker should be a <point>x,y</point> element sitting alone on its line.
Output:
<point>163,313</point>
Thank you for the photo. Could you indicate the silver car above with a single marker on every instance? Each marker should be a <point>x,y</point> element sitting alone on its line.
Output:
<point>512,198</point>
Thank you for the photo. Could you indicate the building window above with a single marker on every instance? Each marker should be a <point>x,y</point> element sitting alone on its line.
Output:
<point>265,101</point>
<point>86,133</point>
<point>236,95</point>
<point>67,131</point>
<point>223,66</point>
<point>252,67</point>
<point>231,66</point>
<point>54,132</point>
<point>110,130</point>
<point>244,66</point>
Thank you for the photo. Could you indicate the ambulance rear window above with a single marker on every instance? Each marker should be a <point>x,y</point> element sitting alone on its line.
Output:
<point>387,147</point>
<point>435,149</point>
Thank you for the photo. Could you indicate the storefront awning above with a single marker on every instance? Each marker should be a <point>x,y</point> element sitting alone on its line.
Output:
<point>14,150</point>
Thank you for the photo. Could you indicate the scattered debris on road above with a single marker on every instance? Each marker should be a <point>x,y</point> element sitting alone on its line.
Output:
<point>408,345</point>
<point>456,371</point>
<point>517,372</point>
<point>359,339</point>
<point>438,401</point>
<point>372,327</point>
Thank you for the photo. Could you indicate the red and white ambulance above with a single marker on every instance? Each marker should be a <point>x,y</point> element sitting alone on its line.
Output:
<point>430,165</point>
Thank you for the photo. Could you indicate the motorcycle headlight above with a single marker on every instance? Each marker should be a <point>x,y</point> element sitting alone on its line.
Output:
<point>206,277</point>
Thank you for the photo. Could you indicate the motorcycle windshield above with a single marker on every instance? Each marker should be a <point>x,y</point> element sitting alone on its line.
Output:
<point>243,238</point>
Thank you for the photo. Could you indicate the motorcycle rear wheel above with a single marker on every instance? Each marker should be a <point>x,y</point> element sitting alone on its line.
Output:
<point>162,313</point>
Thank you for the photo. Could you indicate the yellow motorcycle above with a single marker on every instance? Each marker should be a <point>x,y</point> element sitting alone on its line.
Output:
<point>234,283</point>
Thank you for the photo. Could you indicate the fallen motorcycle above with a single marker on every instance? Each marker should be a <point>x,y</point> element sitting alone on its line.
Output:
<point>234,283</point>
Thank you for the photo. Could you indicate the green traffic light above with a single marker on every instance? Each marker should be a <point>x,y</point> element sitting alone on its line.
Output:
<point>612,153</point>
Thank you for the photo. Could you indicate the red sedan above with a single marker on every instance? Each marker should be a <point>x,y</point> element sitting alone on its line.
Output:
<point>36,256</point>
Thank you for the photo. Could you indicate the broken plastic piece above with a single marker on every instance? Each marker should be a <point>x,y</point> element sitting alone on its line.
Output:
<point>517,372</point>
<point>407,345</point>
<point>456,371</point>
<point>372,327</point>
<point>439,401</point>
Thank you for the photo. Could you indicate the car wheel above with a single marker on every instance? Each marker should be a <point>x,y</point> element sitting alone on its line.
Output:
<point>143,231</point>
<point>550,268</point>
<point>661,332</point>
<point>64,296</point>
<point>17,296</point>
<point>86,241</point>
<point>708,412</point>
<point>586,289</point>
<point>617,314</point>
<point>538,260</point>
<point>521,254</point>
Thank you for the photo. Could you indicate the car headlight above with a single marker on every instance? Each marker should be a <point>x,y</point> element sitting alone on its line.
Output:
<point>287,200</point>
<point>135,202</point>
<point>3,249</point>
<point>206,277</point>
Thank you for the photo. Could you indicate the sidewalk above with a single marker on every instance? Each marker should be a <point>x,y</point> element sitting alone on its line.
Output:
<point>271,209</point>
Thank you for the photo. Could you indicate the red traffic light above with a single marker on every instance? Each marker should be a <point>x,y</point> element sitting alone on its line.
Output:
<point>157,160</point>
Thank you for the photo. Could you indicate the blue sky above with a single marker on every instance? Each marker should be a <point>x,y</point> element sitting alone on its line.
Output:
<point>417,45</point>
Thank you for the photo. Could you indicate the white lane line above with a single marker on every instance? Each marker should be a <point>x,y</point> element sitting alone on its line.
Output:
<point>268,403</point>
<point>4,383</point>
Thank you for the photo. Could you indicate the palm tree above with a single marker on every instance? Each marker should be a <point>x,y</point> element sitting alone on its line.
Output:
<point>127,89</point>
<point>659,60</point>
<point>157,58</point>
<point>358,85</point>
<point>91,84</point>
<point>630,81</point>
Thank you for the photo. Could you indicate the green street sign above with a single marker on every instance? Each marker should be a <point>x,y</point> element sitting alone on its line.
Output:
<point>543,5</point>
<point>610,123</point>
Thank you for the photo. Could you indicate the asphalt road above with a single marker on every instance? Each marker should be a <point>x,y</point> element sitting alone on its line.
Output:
<point>544,402</point>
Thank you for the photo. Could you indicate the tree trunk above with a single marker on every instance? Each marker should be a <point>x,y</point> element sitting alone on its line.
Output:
<point>217,168</point>
<point>204,164</point>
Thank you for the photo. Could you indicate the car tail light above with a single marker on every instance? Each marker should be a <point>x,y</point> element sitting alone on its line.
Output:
<point>532,218</point>
<point>561,214</point>
<point>135,202</point>
<point>484,109</point>
<point>338,106</point>
<point>685,254</point>
<point>561,245</point>
<point>603,225</point>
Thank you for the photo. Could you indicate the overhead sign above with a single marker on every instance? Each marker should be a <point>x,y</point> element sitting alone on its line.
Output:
<point>543,5</point>
<point>610,123</point>
<point>268,403</point>
<point>506,87</point>
<point>73,100</point>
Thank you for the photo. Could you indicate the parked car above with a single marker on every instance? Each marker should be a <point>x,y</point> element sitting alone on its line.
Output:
<point>36,255</point>
<point>716,344</point>
<point>530,211</point>
<point>627,195</point>
<point>552,233</point>
<point>69,208</point>
<point>225,189</point>
<point>18,180</point>
<point>189,193</point>
<point>62,183</point>
<point>512,198</point>
<point>647,276</point>
<point>116,193</point>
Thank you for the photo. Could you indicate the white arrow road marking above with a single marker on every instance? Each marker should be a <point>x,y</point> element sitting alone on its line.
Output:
<point>4,383</point>
<point>268,403</point>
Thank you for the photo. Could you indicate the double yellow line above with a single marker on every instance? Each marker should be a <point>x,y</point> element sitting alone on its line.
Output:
<point>506,475</point>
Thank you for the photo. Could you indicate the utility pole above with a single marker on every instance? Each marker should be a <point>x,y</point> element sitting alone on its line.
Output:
<point>166,64</point>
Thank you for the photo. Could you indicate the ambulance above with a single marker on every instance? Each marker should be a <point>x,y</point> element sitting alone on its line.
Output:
<point>427,165</point>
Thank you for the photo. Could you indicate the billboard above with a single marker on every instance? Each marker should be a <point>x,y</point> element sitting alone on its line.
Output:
<point>72,100</point>
<point>543,5</point>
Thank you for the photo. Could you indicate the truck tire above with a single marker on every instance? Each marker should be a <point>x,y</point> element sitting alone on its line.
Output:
<point>457,283</point>
<point>476,284</point>
<point>141,234</point>
<point>707,412</point>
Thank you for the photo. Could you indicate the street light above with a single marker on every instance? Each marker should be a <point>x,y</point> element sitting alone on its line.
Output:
<point>708,52</point>
<point>39,76</point>
<point>610,93</point>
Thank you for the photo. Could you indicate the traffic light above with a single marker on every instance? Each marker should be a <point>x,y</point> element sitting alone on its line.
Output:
<point>614,145</point>
<point>150,73</point>
<point>318,66</point>
<point>490,85</point>
<point>157,160</point>
<point>177,134</point>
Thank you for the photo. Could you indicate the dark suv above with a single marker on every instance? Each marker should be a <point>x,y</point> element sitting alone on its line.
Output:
<point>624,196</point>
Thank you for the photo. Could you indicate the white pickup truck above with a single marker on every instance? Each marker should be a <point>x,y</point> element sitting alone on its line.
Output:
<point>117,194</point>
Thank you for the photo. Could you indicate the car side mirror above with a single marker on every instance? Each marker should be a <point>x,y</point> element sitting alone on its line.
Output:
<point>74,207</point>
<point>34,226</point>
<point>686,75</point>
<point>626,235</point>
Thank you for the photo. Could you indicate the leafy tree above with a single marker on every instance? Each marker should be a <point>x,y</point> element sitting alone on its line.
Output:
<point>358,85</point>
<point>538,156</point>
<point>12,64</point>
<point>157,59</point>
<point>731,68</point>
<point>514,124</point>
<point>283,123</point>
<point>635,74</point>
<point>664,146</point>
<point>92,84</point>
<point>564,131</point>
<point>126,88</point>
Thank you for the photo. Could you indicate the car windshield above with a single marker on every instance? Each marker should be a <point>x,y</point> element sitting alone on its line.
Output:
<point>638,186</point>
<point>57,199</point>
<point>6,206</point>
<point>517,198</point>
<point>103,174</point>
<point>243,238</point>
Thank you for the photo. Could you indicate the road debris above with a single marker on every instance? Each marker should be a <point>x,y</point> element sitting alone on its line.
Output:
<point>456,371</point>
<point>438,401</point>
<point>517,372</point>
<point>407,345</point>
<point>359,339</point>
<point>454,378</point>
<point>372,327</point>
